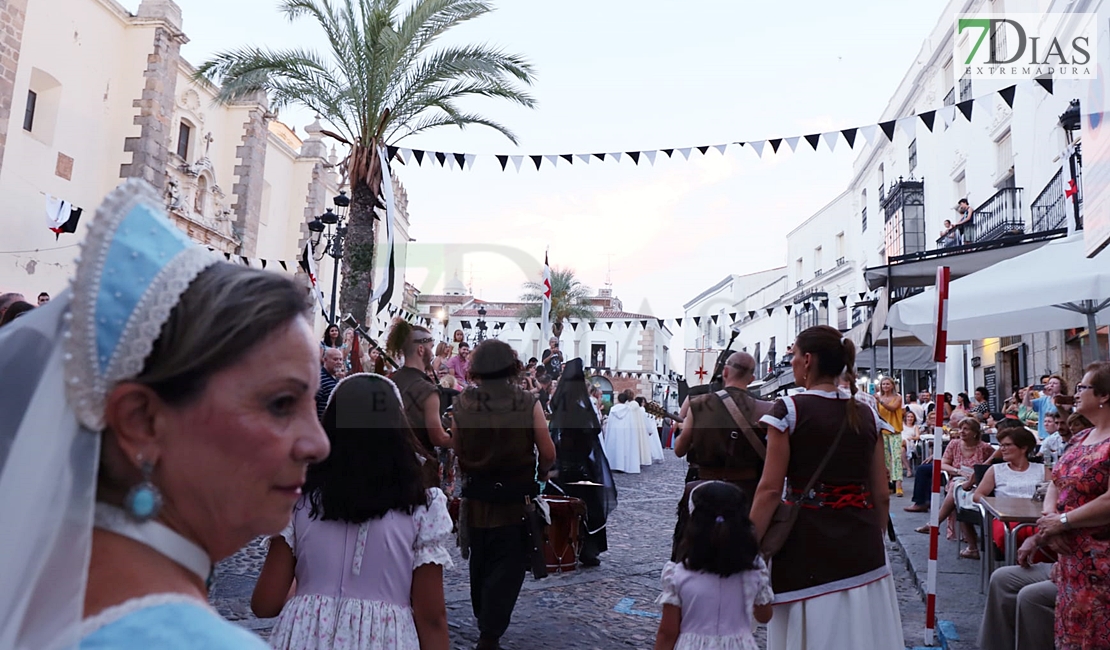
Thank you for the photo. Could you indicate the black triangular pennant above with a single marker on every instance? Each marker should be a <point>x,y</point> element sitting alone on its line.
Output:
<point>703,149</point>
<point>697,321</point>
<point>600,156</point>
<point>775,144</point>
<point>460,158</point>
<point>609,324</point>
<point>591,326</point>
<point>861,295</point>
<point>390,152</point>
<point>668,152</point>
<point>824,303</point>
<point>643,324</point>
<point>714,317</point>
<point>442,158</point>
<point>246,260</point>
<point>787,308</point>
<point>419,154</point>
<point>1007,95</point>
<point>849,137</point>
<point>263,263</point>
<point>660,321</point>
<point>965,108</point>
<point>521,326</point>
<point>1046,83</point>
<point>732,315</point>
<point>888,129</point>
<point>813,140</point>
<point>751,314</point>
<point>679,321</point>
<point>770,310</point>
<point>569,157</point>
<point>634,155</point>
<point>283,266</point>
<point>537,160</point>
<point>627,324</point>
<point>927,119</point>
<point>843,300</point>
<point>574,326</point>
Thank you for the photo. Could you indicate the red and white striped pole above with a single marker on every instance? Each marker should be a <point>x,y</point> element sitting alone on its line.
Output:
<point>940,346</point>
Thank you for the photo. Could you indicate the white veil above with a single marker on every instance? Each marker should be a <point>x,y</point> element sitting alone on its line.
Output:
<point>48,476</point>
<point>134,267</point>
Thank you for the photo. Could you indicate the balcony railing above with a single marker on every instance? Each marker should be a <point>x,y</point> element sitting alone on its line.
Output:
<point>999,216</point>
<point>1053,209</point>
<point>801,282</point>
<point>950,98</point>
<point>840,261</point>
<point>818,273</point>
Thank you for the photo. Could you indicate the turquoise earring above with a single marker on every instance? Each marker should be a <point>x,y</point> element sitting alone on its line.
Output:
<point>144,500</point>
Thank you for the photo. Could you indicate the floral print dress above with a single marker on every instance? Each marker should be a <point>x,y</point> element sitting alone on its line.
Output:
<point>1083,577</point>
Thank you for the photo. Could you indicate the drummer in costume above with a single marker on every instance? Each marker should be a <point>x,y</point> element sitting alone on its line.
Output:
<point>575,427</point>
<point>723,433</point>
<point>419,393</point>
<point>503,445</point>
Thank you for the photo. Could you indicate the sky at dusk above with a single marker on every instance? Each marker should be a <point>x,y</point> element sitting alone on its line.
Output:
<point>620,75</point>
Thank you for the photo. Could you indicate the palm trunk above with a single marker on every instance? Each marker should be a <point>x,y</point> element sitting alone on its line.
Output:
<point>358,257</point>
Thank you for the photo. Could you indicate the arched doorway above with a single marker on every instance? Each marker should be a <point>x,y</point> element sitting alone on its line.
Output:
<point>606,388</point>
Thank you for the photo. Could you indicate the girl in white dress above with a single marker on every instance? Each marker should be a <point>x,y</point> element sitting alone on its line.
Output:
<point>367,544</point>
<point>720,582</point>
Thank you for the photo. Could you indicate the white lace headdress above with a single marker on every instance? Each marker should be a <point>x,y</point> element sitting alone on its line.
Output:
<point>57,365</point>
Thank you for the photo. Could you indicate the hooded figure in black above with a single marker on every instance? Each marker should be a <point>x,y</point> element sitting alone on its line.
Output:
<point>576,431</point>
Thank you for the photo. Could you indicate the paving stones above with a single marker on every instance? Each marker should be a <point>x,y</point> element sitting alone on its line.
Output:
<point>573,610</point>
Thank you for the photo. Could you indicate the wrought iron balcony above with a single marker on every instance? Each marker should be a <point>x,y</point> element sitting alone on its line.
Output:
<point>840,261</point>
<point>1053,209</point>
<point>999,216</point>
<point>818,273</point>
<point>950,98</point>
<point>800,283</point>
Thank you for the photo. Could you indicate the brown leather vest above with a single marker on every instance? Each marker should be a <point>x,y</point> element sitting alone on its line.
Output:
<point>719,444</point>
<point>415,387</point>
<point>493,432</point>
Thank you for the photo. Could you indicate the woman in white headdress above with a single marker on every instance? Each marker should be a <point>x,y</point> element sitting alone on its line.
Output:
<point>160,415</point>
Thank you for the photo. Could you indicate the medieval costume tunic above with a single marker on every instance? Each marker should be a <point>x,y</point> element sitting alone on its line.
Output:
<point>720,447</point>
<point>831,578</point>
<point>415,387</point>
<point>577,435</point>
<point>495,443</point>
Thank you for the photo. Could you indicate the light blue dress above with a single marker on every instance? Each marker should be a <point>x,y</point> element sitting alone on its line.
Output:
<point>166,622</point>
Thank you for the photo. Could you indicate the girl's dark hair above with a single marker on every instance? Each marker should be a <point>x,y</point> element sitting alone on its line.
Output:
<point>332,341</point>
<point>964,401</point>
<point>836,357</point>
<point>373,467</point>
<point>15,310</point>
<point>493,359</point>
<point>718,538</point>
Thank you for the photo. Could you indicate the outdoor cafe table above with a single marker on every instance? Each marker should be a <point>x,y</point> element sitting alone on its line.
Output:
<point>1022,513</point>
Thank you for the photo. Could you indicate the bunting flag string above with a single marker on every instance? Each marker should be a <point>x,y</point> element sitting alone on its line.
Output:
<point>870,133</point>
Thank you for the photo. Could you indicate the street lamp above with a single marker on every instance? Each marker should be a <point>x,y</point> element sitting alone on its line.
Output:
<point>321,228</point>
<point>481,323</point>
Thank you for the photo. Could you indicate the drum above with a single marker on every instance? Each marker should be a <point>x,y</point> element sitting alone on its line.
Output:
<point>561,542</point>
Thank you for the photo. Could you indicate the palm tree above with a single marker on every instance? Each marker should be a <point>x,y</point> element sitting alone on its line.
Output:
<point>569,299</point>
<point>380,82</point>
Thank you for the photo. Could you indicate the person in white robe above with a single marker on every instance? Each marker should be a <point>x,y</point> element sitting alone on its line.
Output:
<point>622,435</point>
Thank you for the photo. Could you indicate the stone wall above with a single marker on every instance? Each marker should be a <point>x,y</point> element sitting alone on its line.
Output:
<point>150,152</point>
<point>13,13</point>
<point>250,170</point>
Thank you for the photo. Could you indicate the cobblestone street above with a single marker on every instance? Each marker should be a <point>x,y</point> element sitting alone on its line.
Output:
<point>610,606</point>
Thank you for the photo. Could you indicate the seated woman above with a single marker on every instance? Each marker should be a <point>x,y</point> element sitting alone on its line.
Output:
<point>911,433</point>
<point>1017,477</point>
<point>960,459</point>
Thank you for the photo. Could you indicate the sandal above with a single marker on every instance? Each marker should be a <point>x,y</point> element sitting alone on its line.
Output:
<point>899,493</point>
<point>970,553</point>
<point>922,529</point>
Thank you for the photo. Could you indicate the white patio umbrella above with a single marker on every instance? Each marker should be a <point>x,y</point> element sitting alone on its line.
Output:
<point>1054,287</point>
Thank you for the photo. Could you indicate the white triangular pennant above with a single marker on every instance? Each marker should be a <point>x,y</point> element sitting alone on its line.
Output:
<point>948,114</point>
<point>909,126</point>
<point>793,142</point>
<point>685,152</point>
<point>868,132</point>
<point>469,160</point>
<point>554,160</point>
<point>758,146</point>
<point>451,161</point>
<point>616,156</point>
<point>830,139</point>
<point>516,161</point>
<point>651,156</point>
<point>584,157</point>
<point>721,148</point>
<point>405,155</point>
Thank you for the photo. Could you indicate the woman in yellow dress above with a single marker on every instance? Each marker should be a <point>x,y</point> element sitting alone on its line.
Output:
<point>892,412</point>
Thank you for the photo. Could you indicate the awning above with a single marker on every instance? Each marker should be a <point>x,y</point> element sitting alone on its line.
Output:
<point>906,357</point>
<point>923,272</point>
<point>772,385</point>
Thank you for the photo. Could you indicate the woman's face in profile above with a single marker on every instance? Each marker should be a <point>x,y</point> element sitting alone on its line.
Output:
<point>233,461</point>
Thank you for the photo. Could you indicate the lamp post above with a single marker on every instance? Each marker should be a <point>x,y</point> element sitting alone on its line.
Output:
<point>481,323</point>
<point>334,241</point>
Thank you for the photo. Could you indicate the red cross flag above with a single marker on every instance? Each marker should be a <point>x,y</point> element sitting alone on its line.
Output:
<point>545,319</point>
